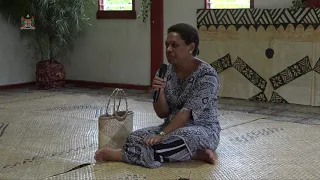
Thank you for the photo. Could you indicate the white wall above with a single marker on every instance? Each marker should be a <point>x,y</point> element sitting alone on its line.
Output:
<point>113,51</point>
<point>15,65</point>
<point>118,51</point>
<point>176,11</point>
<point>184,11</point>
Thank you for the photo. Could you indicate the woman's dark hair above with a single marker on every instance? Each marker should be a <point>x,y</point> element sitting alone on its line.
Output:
<point>188,33</point>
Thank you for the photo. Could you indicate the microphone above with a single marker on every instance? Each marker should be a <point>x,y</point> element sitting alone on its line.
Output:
<point>162,72</point>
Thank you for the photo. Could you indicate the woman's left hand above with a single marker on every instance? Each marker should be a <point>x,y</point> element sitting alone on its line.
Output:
<point>153,140</point>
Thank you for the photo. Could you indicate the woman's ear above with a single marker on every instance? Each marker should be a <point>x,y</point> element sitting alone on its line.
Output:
<point>192,47</point>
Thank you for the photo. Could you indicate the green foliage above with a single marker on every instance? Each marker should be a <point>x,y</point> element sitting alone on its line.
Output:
<point>119,1</point>
<point>145,8</point>
<point>58,23</point>
<point>230,4</point>
<point>144,11</point>
<point>126,8</point>
<point>296,4</point>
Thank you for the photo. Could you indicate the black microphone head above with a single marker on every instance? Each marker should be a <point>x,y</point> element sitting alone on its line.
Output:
<point>163,70</point>
<point>163,67</point>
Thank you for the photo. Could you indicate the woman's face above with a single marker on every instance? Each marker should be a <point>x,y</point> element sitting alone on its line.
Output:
<point>176,49</point>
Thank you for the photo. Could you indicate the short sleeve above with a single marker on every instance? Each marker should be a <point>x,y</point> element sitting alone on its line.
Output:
<point>204,91</point>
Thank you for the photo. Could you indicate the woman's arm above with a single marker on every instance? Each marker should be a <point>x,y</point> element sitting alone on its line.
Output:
<point>205,90</point>
<point>161,107</point>
<point>203,93</point>
<point>179,121</point>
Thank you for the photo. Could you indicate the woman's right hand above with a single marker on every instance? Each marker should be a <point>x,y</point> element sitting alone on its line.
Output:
<point>161,107</point>
<point>157,83</point>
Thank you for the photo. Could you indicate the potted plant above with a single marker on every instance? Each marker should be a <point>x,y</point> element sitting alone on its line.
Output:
<point>51,26</point>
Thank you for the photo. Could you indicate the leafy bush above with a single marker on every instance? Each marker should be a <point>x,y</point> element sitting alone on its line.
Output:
<point>57,23</point>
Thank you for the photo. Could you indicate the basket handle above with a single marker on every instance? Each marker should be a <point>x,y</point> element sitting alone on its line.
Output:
<point>114,95</point>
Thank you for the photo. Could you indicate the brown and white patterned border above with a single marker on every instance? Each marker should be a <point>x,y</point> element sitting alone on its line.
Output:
<point>258,17</point>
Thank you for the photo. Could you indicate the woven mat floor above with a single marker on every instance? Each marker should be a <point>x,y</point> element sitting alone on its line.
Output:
<point>46,133</point>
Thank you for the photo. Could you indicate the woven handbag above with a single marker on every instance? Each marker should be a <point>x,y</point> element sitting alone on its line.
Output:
<point>115,128</point>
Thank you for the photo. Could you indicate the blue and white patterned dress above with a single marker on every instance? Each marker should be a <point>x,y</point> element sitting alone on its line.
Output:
<point>198,93</point>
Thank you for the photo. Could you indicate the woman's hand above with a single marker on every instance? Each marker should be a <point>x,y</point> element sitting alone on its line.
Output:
<point>153,140</point>
<point>160,107</point>
<point>157,83</point>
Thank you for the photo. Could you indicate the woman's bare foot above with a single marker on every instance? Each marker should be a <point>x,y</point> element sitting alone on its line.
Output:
<point>107,154</point>
<point>205,155</point>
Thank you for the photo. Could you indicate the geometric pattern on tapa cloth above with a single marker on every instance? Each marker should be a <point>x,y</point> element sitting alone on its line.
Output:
<point>258,17</point>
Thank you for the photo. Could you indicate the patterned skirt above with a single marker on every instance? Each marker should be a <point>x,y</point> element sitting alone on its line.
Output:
<point>180,145</point>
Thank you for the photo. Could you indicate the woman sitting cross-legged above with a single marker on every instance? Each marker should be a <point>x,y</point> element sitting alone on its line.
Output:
<point>188,103</point>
